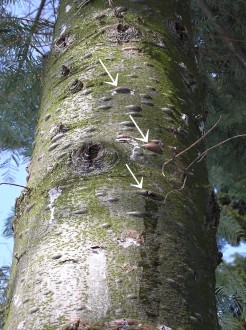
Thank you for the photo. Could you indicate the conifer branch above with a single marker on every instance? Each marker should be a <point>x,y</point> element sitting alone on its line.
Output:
<point>33,30</point>
<point>223,34</point>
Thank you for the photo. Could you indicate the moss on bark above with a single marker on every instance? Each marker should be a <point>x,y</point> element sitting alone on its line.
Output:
<point>92,248</point>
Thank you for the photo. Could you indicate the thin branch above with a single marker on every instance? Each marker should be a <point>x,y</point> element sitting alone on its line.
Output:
<point>229,38</point>
<point>13,184</point>
<point>37,50</point>
<point>191,146</point>
<point>200,157</point>
<point>33,30</point>
<point>45,22</point>
<point>176,190</point>
<point>223,34</point>
<point>222,142</point>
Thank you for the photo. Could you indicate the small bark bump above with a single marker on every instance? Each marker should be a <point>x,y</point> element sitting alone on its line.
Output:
<point>66,145</point>
<point>127,123</point>
<point>57,137</point>
<point>123,90</point>
<point>146,96</point>
<point>145,102</point>
<point>105,98</point>
<point>153,147</point>
<point>135,108</point>
<point>134,114</point>
<point>105,225</point>
<point>33,310</point>
<point>56,256</point>
<point>194,320</point>
<point>79,212</point>
<point>53,146</point>
<point>131,296</point>
<point>133,75</point>
<point>87,91</point>
<point>47,117</point>
<point>136,214</point>
<point>63,154</point>
<point>104,107</point>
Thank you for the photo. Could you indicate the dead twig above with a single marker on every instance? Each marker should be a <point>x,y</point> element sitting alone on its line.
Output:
<point>191,146</point>
<point>200,157</point>
<point>176,190</point>
<point>13,184</point>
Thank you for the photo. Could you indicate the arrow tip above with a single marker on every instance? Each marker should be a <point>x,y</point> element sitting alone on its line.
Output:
<point>145,139</point>
<point>114,82</point>
<point>140,185</point>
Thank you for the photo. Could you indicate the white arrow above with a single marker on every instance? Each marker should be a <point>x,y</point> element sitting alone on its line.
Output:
<point>114,81</point>
<point>145,138</point>
<point>139,184</point>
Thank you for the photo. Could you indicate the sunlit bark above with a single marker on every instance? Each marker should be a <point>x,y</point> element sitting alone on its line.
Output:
<point>90,248</point>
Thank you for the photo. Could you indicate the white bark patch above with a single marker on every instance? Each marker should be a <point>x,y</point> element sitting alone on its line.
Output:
<point>163,327</point>
<point>63,29</point>
<point>17,300</point>
<point>66,283</point>
<point>128,241</point>
<point>182,65</point>
<point>77,106</point>
<point>21,325</point>
<point>185,119</point>
<point>98,297</point>
<point>53,194</point>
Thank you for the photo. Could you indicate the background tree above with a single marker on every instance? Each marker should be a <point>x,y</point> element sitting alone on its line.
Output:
<point>219,31</point>
<point>231,293</point>
<point>25,39</point>
<point>220,28</point>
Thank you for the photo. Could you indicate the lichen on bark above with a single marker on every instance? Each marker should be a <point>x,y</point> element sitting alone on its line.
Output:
<point>92,249</point>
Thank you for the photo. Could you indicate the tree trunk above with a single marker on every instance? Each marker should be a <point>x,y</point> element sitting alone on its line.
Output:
<point>90,248</point>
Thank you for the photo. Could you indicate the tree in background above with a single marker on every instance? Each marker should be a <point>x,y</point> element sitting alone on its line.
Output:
<point>25,40</point>
<point>220,30</point>
<point>231,293</point>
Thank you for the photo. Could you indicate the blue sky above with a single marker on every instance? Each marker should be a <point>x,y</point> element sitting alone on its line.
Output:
<point>8,195</point>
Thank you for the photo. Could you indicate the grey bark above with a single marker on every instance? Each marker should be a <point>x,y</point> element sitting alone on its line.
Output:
<point>91,249</point>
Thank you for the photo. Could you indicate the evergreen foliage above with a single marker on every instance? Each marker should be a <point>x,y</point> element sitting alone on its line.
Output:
<point>9,166</point>
<point>4,277</point>
<point>8,231</point>
<point>23,44</point>
<point>225,81</point>
<point>235,209</point>
<point>230,229</point>
<point>231,294</point>
<point>19,109</point>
